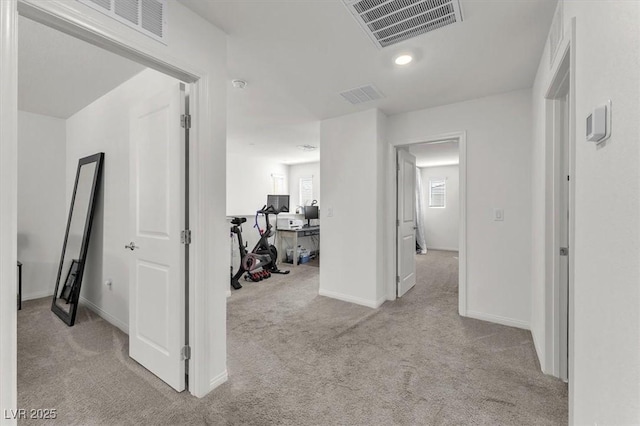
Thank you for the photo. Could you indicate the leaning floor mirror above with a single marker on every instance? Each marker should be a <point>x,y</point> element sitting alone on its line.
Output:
<point>76,240</point>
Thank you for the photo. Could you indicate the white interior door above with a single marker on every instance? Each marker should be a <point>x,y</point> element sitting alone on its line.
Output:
<point>157,274</point>
<point>406,216</point>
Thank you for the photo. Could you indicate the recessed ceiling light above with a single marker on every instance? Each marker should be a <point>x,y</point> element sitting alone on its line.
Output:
<point>403,59</point>
<point>307,147</point>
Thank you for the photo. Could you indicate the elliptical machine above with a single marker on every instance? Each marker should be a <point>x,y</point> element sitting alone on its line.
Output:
<point>261,262</point>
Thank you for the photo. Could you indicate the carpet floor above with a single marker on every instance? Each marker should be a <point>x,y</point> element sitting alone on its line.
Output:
<point>297,358</point>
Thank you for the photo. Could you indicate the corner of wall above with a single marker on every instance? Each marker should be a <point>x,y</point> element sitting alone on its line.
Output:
<point>540,350</point>
<point>382,239</point>
<point>365,133</point>
<point>216,381</point>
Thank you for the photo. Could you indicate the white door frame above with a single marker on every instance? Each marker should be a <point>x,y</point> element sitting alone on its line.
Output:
<point>461,137</point>
<point>564,68</point>
<point>64,16</point>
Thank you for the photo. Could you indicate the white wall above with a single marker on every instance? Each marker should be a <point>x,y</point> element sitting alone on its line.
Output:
<point>604,376</point>
<point>442,224</point>
<point>351,242</point>
<point>42,205</point>
<point>498,130</point>
<point>249,182</point>
<point>297,171</point>
<point>539,221</point>
<point>103,126</point>
<point>384,271</point>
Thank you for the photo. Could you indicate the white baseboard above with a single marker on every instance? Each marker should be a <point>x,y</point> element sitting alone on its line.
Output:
<point>218,380</point>
<point>442,248</point>
<point>105,315</point>
<point>351,299</point>
<point>36,295</point>
<point>499,320</point>
<point>228,293</point>
<point>538,352</point>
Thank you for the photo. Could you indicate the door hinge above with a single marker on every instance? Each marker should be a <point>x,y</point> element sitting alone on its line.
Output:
<point>397,222</point>
<point>397,279</point>
<point>564,251</point>
<point>185,121</point>
<point>185,236</point>
<point>186,352</point>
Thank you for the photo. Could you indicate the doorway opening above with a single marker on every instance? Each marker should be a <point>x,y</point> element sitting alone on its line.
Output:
<point>188,58</point>
<point>430,213</point>
<point>131,301</point>
<point>272,183</point>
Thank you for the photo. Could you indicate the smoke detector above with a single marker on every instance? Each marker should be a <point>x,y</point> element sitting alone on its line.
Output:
<point>239,84</point>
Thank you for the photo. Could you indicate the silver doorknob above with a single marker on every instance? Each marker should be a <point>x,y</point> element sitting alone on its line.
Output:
<point>131,246</point>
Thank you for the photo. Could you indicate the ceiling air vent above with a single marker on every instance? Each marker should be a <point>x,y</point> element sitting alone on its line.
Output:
<point>105,4</point>
<point>362,94</point>
<point>387,22</point>
<point>128,9</point>
<point>153,17</point>
<point>147,16</point>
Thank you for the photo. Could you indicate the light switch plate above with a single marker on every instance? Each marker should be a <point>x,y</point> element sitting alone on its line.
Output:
<point>498,215</point>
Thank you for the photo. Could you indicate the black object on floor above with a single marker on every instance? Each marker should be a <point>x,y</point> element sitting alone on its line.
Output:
<point>19,286</point>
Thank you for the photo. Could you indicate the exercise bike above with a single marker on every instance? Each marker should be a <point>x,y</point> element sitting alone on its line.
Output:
<point>261,262</point>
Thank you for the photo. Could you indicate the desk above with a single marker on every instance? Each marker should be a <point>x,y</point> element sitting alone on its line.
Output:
<point>294,234</point>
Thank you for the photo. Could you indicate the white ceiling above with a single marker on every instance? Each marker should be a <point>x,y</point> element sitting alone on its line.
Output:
<point>436,154</point>
<point>58,75</point>
<point>298,55</point>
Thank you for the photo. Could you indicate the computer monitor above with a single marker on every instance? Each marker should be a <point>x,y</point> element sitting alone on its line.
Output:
<point>279,202</point>
<point>311,212</point>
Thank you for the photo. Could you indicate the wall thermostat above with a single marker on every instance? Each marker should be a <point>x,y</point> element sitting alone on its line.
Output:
<point>599,123</point>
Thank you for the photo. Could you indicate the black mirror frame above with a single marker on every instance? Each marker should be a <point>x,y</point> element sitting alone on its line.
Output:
<point>70,317</point>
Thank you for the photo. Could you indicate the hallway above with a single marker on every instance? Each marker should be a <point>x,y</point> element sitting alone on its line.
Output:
<point>298,358</point>
<point>309,359</point>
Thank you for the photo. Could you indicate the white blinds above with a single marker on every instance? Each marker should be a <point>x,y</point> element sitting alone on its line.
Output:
<point>306,190</point>
<point>437,192</point>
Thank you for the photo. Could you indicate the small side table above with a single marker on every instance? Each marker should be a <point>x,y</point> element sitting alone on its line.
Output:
<point>19,285</point>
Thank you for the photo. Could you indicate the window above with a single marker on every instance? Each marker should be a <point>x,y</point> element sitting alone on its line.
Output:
<point>306,190</point>
<point>279,184</point>
<point>437,192</point>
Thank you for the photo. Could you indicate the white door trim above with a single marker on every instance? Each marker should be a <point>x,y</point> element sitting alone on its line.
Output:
<point>564,68</point>
<point>8,203</point>
<point>462,237</point>
<point>64,16</point>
